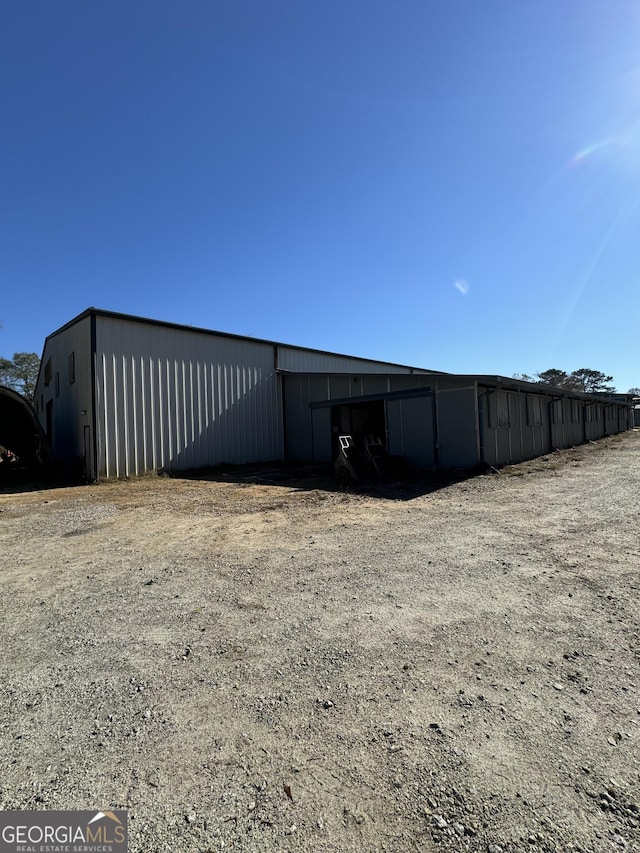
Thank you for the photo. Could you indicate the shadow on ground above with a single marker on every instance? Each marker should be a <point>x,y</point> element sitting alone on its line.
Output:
<point>413,484</point>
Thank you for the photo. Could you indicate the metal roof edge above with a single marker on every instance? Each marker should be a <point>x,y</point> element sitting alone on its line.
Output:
<point>83,315</point>
<point>18,397</point>
<point>132,318</point>
<point>536,387</point>
<point>408,394</point>
<point>421,371</point>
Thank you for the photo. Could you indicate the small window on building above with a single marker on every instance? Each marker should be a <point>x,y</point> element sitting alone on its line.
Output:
<point>57,384</point>
<point>72,368</point>
<point>534,410</point>
<point>498,409</point>
<point>503,409</point>
<point>47,373</point>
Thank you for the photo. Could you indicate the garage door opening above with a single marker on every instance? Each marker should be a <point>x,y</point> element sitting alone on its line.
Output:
<point>23,445</point>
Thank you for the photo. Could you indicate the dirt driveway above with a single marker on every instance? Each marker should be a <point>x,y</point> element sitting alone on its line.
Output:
<point>288,667</point>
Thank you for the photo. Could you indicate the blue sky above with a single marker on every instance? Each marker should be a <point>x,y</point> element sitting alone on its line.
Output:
<point>445,183</point>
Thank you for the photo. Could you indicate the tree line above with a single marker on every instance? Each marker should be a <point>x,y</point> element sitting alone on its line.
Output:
<point>584,379</point>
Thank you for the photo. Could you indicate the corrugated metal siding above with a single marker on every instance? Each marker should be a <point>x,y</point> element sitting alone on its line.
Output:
<point>624,415</point>
<point>305,361</point>
<point>565,424</point>
<point>542,425</point>
<point>594,427</point>
<point>514,426</point>
<point>611,419</point>
<point>173,399</point>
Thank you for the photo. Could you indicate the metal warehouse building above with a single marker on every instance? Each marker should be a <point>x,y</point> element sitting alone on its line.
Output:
<point>127,394</point>
<point>120,395</point>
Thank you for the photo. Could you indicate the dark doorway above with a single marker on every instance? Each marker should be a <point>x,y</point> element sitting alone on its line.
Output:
<point>358,420</point>
<point>20,433</point>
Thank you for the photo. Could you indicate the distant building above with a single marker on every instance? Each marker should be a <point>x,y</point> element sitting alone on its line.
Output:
<point>119,395</point>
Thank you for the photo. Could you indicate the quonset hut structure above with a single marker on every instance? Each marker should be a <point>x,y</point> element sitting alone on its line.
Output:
<point>120,395</point>
<point>21,433</point>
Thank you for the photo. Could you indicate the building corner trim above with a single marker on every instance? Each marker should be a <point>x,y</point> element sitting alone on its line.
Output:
<point>94,430</point>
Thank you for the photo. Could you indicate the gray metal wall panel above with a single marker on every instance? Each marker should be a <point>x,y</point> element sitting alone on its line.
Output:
<point>503,446</point>
<point>555,427</point>
<point>498,432</point>
<point>319,388</point>
<point>299,391</point>
<point>374,385</point>
<point>566,422</point>
<point>611,419</point>
<point>572,422</point>
<point>305,361</point>
<point>340,387</point>
<point>174,399</point>
<point>595,425</point>
<point>624,415</point>
<point>534,425</point>
<point>521,433</point>
<point>577,431</point>
<point>457,435</point>
<point>406,383</point>
<point>393,413</point>
<point>299,443</point>
<point>72,402</point>
<point>321,431</point>
<point>526,439</point>
<point>410,430</point>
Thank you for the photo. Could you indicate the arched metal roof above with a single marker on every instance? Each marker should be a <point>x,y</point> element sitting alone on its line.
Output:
<point>20,430</point>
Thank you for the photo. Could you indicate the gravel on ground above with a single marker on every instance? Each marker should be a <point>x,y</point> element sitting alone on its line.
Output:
<point>254,662</point>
